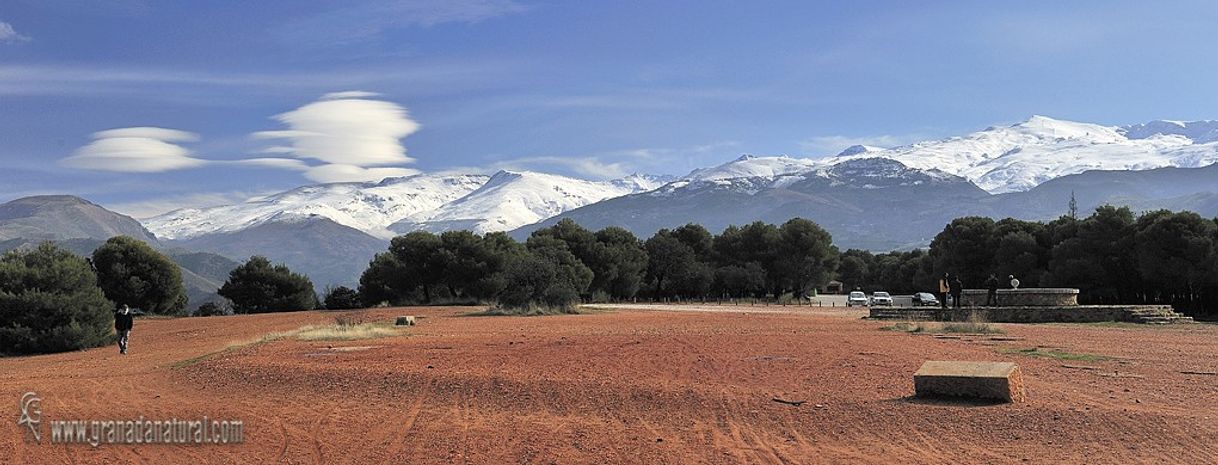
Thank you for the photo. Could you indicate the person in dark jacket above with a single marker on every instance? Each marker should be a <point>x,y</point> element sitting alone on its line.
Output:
<point>991,285</point>
<point>957,289</point>
<point>123,322</point>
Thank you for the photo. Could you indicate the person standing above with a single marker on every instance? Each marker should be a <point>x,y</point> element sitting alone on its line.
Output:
<point>991,285</point>
<point>944,286</point>
<point>123,322</point>
<point>957,288</point>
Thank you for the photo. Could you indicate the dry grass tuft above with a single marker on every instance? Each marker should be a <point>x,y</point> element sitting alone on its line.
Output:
<point>976,324</point>
<point>346,332</point>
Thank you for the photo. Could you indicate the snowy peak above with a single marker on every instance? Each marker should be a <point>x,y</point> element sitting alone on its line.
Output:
<point>1047,128</point>
<point>1200,132</point>
<point>503,201</point>
<point>369,207</point>
<point>749,166</point>
<point>511,199</point>
<point>642,182</point>
<point>1021,156</point>
<point>859,149</point>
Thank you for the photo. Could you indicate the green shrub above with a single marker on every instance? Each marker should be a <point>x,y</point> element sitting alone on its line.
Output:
<point>214,309</point>
<point>259,287</point>
<point>342,298</point>
<point>50,302</point>
<point>131,272</point>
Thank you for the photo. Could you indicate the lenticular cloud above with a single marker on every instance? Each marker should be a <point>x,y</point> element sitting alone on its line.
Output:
<point>135,150</point>
<point>346,128</point>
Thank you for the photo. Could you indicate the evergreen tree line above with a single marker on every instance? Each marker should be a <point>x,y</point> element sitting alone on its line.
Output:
<point>1112,256</point>
<point>565,264</point>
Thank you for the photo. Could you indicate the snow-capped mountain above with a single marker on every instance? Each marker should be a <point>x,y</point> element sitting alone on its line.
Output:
<point>511,199</point>
<point>1021,156</point>
<point>751,174</point>
<point>749,166</point>
<point>865,202</point>
<point>369,207</point>
<point>504,201</point>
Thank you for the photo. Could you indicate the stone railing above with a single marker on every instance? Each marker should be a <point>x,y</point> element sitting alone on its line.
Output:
<point>1029,297</point>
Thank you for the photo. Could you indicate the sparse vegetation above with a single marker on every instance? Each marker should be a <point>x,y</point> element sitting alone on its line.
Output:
<point>349,327</point>
<point>907,327</point>
<point>344,332</point>
<point>976,324</point>
<point>1053,354</point>
<point>529,310</point>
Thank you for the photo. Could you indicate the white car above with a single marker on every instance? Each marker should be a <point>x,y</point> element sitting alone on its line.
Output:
<point>856,298</point>
<point>881,298</point>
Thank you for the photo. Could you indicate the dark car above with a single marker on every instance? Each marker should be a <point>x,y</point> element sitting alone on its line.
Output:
<point>925,299</point>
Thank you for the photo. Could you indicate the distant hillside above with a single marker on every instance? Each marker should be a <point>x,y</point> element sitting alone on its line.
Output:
<point>81,226</point>
<point>60,217</point>
<point>330,253</point>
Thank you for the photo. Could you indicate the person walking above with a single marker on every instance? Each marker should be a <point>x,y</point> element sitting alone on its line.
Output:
<point>944,286</point>
<point>957,288</point>
<point>991,285</point>
<point>123,322</point>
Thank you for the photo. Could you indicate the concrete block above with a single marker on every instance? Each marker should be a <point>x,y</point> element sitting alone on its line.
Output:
<point>405,321</point>
<point>977,380</point>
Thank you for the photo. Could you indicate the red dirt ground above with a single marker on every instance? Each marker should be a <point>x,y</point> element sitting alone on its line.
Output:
<point>629,386</point>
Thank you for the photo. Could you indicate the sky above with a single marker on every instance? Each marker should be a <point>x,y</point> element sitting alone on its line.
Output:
<point>146,106</point>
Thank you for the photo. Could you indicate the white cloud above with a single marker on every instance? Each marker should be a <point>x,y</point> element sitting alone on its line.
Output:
<point>588,167</point>
<point>145,132</point>
<point>832,145</point>
<point>355,137</point>
<point>163,204</point>
<point>336,172</point>
<point>346,130</point>
<point>10,35</point>
<point>349,94</point>
<point>135,150</point>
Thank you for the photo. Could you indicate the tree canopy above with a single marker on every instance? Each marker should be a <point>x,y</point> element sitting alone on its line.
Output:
<point>50,302</point>
<point>131,272</point>
<point>257,286</point>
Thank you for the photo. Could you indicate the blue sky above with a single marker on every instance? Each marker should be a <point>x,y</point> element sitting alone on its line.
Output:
<point>252,97</point>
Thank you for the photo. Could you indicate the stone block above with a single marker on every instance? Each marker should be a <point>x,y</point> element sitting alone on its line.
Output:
<point>973,380</point>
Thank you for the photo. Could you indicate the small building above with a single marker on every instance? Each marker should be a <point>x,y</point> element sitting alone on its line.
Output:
<point>832,287</point>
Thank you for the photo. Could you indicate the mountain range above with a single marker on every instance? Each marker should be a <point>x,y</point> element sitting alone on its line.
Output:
<point>867,197</point>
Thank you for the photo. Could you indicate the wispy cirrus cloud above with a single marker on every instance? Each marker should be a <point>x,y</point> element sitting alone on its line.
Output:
<point>365,21</point>
<point>10,35</point>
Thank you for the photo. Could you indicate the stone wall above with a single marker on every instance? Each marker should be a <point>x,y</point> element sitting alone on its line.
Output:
<point>1028,314</point>
<point>1029,297</point>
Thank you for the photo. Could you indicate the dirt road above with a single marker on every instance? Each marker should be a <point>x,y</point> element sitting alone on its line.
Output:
<point>628,386</point>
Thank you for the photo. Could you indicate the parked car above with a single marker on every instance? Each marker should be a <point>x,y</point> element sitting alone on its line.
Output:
<point>856,298</point>
<point>881,298</point>
<point>925,299</point>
